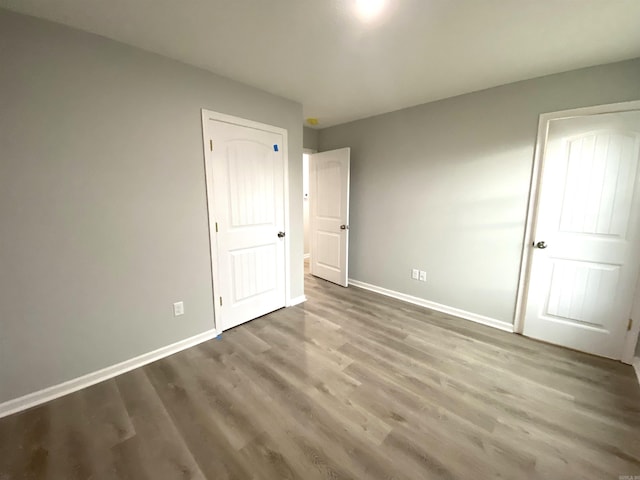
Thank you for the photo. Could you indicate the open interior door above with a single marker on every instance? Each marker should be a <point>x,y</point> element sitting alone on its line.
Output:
<point>586,257</point>
<point>329,215</point>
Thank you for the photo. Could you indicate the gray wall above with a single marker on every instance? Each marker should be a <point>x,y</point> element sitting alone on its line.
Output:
<point>310,138</point>
<point>443,187</point>
<point>102,200</point>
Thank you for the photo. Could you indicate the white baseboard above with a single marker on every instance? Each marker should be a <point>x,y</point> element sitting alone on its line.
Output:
<point>70,386</point>
<point>636,367</point>
<point>456,312</point>
<point>297,301</point>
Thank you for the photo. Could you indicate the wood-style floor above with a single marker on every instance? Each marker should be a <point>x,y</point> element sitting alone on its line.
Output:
<point>348,385</point>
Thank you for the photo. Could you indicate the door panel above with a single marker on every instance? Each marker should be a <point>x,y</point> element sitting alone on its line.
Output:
<point>252,272</point>
<point>247,173</point>
<point>327,252</point>
<point>581,292</point>
<point>329,215</point>
<point>600,183</point>
<point>252,170</point>
<point>327,182</point>
<point>581,287</point>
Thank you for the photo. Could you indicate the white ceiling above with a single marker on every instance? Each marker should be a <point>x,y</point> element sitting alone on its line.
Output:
<point>319,53</point>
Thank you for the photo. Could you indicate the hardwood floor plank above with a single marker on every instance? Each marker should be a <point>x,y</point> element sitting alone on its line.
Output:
<point>107,414</point>
<point>264,453</point>
<point>74,452</point>
<point>323,426</point>
<point>24,444</point>
<point>433,396</point>
<point>293,439</point>
<point>197,425</point>
<point>158,449</point>
<point>349,385</point>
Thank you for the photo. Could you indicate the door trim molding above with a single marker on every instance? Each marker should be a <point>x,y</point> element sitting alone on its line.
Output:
<point>532,207</point>
<point>636,367</point>
<point>297,301</point>
<point>213,247</point>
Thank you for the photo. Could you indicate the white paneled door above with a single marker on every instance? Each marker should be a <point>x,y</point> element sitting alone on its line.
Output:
<point>245,177</point>
<point>329,215</point>
<point>586,255</point>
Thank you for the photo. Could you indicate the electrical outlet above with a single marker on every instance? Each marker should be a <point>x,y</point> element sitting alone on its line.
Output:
<point>423,276</point>
<point>415,274</point>
<point>178,309</point>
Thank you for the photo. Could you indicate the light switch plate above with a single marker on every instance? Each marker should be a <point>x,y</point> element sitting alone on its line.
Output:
<point>178,309</point>
<point>415,273</point>
<point>423,276</point>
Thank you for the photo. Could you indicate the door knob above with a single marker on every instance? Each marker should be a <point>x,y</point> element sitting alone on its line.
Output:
<point>344,227</point>
<point>280,234</point>
<point>541,245</point>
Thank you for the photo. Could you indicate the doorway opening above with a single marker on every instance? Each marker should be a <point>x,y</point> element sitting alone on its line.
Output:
<point>305,204</point>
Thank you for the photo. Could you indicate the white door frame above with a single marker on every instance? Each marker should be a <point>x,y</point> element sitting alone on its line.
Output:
<point>532,211</point>
<point>213,246</point>
<point>308,151</point>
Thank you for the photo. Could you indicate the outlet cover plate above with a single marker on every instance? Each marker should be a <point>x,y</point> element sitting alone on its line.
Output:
<point>178,309</point>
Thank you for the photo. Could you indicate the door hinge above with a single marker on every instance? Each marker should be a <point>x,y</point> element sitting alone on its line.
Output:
<point>220,301</point>
<point>211,144</point>
<point>216,227</point>
<point>629,324</point>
